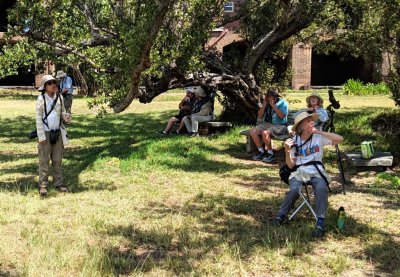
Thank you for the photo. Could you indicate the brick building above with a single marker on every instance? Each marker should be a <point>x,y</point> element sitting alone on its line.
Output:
<point>308,67</point>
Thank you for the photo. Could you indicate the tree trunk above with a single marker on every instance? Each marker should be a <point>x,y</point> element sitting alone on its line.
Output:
<point>144,59</point>
<point>80,81</point>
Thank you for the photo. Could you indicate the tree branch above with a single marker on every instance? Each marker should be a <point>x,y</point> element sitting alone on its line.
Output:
<point>143,61</point>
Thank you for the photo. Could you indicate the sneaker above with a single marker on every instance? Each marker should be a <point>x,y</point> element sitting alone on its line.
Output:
<point>277,221</point>
<point>162,133</point>
<point>318,232</point>
<point>269,158</point>
<point>259,156</point>
<point>194,134</point>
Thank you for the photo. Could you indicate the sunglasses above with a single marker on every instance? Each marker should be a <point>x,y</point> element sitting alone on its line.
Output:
<point>52,82</point>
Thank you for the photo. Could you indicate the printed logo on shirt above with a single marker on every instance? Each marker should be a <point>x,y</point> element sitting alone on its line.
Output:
<point>308,151</point>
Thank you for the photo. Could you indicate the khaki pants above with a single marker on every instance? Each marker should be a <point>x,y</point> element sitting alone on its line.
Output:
<point>53,152</point>
<point>192,122</point>
<point>68,102</point>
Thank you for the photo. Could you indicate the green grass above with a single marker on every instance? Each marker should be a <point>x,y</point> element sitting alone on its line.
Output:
<point>141,204</point>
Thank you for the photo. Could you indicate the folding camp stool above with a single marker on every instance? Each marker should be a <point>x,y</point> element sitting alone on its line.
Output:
<point>306,199</point>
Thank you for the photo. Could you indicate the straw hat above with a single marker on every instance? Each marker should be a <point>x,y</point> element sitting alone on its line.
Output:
<point>198,91</point>
<point>61,74</point>
<point>44,80</point>
<point>314,94</point>
<point>301,116</point>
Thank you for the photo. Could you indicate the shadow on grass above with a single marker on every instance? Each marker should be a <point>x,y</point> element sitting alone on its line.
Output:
<point>129,138</point>
<point>229,224</point>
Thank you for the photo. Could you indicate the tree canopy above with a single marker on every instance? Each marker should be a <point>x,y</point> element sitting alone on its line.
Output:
<point>134,49</point>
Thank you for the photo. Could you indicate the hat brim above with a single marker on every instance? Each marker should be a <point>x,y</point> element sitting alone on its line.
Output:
<point>321,101</point>
<point>314,117</point>
<point>273,94</point>
<point>62,75</point>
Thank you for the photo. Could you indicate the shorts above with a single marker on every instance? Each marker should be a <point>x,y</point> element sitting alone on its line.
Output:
<point>182,114</point>
<point>275,129</point>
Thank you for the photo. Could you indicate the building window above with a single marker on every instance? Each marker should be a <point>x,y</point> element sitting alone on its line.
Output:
<point>229,7</point>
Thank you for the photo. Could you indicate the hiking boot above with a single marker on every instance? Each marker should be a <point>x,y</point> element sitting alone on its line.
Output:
<point>43,191</point>
<point>259,156</point>
<point>270,158</point>
<point>318,232</point>
<point>62,188</point>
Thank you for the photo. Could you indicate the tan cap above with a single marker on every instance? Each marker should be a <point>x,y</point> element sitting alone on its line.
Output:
<point>44,80</point>
<point>301,116</point>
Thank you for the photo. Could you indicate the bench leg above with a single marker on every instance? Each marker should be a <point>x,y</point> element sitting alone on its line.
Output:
<point>250,145</point>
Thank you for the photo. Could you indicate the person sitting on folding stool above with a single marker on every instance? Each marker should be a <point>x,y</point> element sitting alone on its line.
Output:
<point>304,156</point>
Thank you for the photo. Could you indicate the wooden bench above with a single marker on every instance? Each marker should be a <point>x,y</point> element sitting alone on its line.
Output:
<point>379,162</point>
<point>213,127</point>
<point>251,147</point>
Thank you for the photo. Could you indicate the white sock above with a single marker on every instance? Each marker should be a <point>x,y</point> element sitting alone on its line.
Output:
<point>261,149</point>
<point>270,152</point>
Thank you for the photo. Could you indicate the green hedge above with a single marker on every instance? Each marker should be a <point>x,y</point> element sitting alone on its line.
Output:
<point>357,87</point>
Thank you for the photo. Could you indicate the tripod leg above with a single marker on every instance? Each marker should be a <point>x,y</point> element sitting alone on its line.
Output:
<point>340,165</point>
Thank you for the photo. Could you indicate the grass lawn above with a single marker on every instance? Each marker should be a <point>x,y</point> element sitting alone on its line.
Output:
<point>141,204</point>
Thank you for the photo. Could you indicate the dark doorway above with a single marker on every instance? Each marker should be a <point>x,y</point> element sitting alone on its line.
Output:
<point>335,70</point>
<point>233,55</point>
<point>4,6</point>
<point>25,77</point>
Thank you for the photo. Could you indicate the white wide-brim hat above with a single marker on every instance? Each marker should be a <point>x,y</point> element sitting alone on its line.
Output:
<point>61,74</point>
<point>314,94</point>
<point>44,80</point>
<point>198,91</point>
<point>301,116</point>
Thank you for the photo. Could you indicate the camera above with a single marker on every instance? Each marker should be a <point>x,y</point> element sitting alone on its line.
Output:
<point>32,134</point>
<point>334,103</point>
<point>54,135</point>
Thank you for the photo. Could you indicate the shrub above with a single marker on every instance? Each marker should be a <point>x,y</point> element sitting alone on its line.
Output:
<point>357,87</point>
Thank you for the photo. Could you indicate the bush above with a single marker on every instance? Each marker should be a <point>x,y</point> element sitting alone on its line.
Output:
<point>357,87</point>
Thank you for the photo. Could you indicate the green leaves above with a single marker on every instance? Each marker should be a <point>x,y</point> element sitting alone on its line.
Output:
<point>14,57</point>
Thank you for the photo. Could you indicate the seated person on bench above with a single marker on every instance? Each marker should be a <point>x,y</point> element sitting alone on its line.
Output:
<point>304,155</point>
<point>274,110</point>
<point>185,108</point>
<point>202,111</point>
<point>314,105</point>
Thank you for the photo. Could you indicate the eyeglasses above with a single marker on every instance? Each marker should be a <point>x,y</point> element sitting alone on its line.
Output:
<point>51,82</point>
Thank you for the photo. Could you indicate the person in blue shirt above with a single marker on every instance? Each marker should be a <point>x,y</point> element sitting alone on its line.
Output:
<point>273,114</point>
<point>66,89</point>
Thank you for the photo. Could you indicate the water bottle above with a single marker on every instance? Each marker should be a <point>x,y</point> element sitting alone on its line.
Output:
<point>341,217</point>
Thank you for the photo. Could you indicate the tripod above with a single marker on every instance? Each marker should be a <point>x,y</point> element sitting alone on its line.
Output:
<point>331,128</point>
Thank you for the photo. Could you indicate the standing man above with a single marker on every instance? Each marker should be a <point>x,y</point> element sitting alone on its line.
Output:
<point>66,89</point>
<point>273,111</point>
